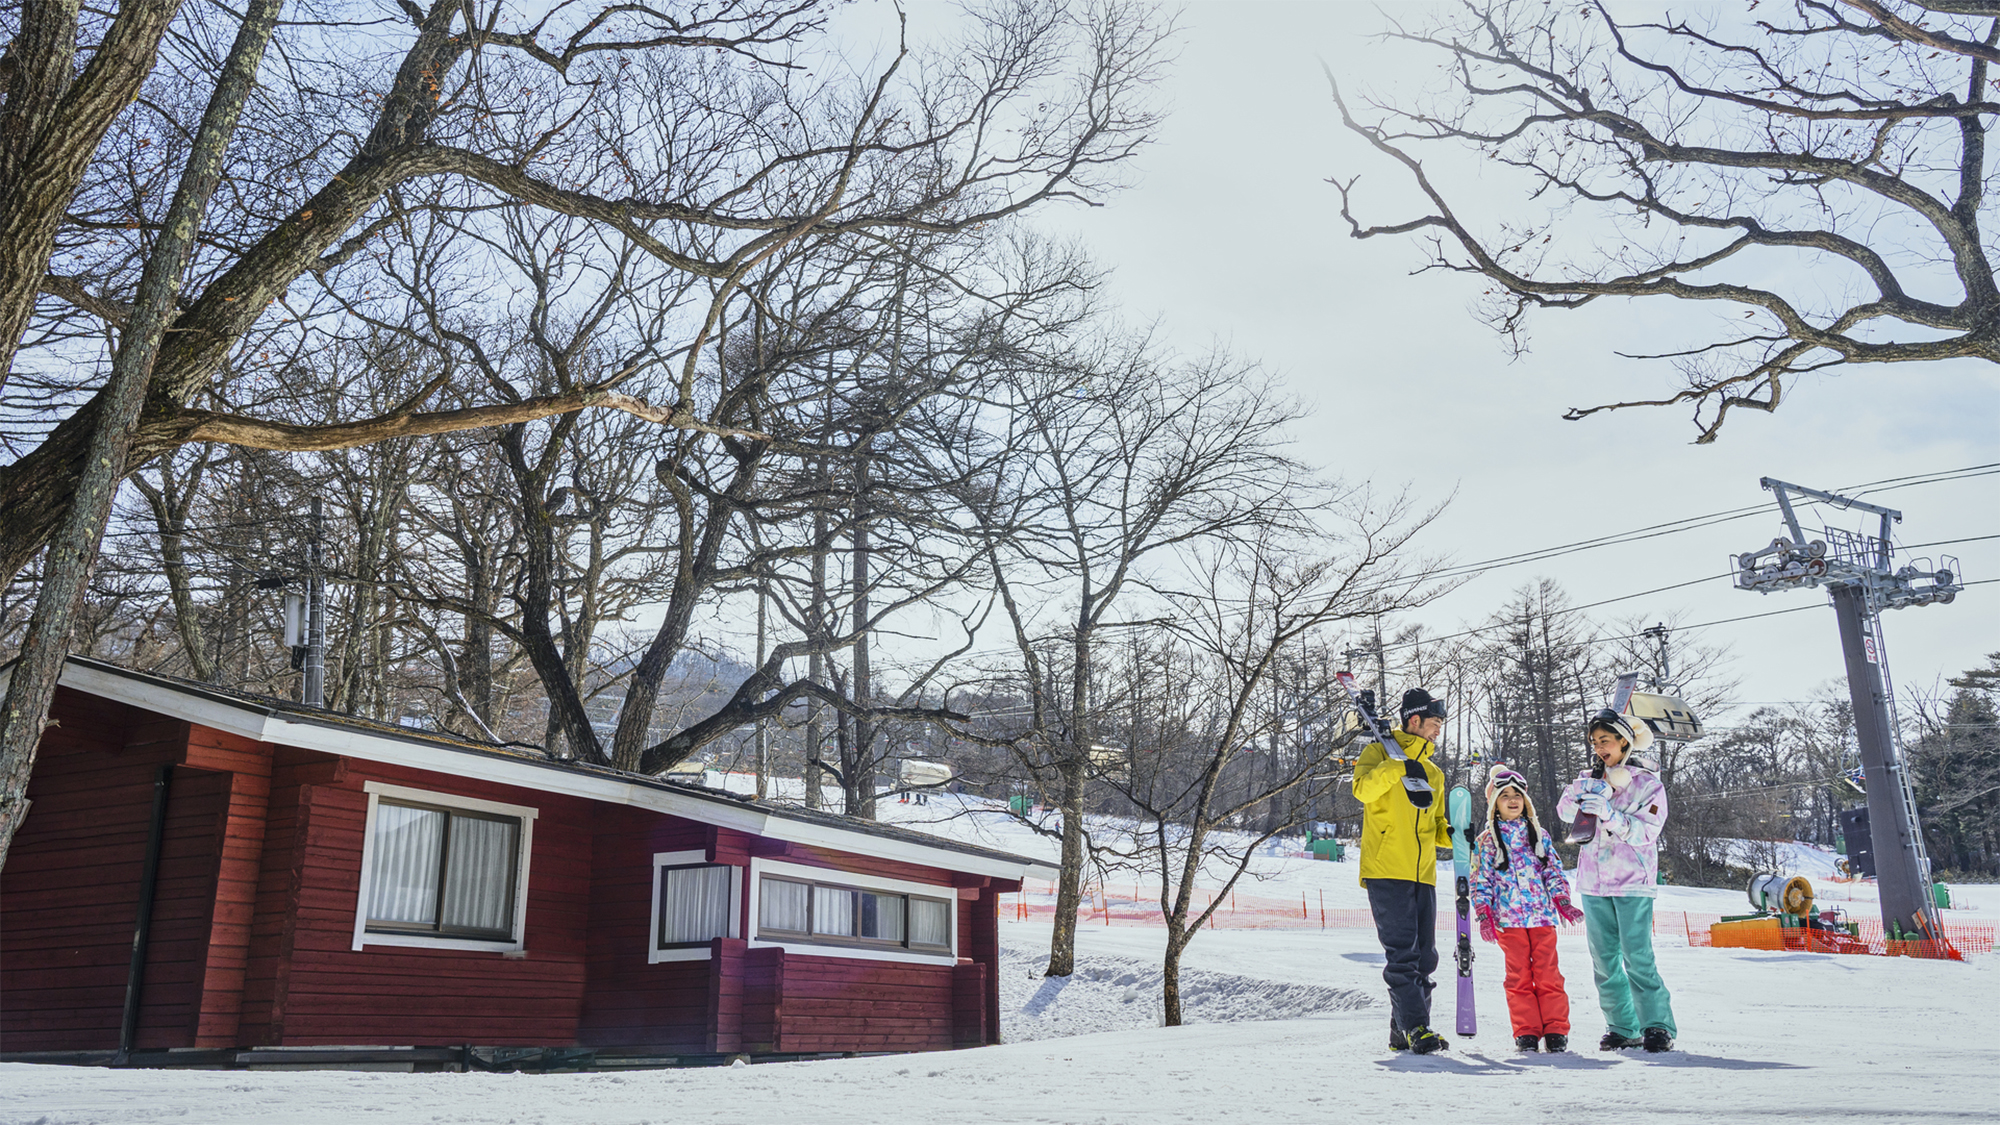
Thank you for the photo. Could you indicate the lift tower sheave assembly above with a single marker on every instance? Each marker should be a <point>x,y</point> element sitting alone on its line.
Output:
<point>1858,572</point>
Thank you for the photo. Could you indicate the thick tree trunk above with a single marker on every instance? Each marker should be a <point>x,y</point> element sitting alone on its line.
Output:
<point>1170,976</point>
<point>50,126</point>
<point>73,553</point>
<point>1074,770</point>
<point>1069,886</point>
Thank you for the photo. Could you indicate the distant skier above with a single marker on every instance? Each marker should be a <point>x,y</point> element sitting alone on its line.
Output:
<point>1402,828</point>
<point>1618,872</point>
<point>1520,893</point>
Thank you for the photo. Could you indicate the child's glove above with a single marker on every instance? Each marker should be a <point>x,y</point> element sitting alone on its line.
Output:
<point>1569,913</point>
<point>1487,930</point>
<point>1594,803</point>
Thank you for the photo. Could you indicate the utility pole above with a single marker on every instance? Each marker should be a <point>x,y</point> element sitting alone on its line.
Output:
<point>1374,648</point>
<point>1857,571</point>
<point>314,692</point>
<point>1665,679</point>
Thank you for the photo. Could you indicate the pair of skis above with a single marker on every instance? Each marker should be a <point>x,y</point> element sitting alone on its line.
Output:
<point>1458,810</point>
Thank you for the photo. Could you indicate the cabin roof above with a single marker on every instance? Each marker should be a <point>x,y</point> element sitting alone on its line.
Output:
<point>265,719</point>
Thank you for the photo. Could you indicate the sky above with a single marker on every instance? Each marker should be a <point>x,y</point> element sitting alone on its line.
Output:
<point>1230,235</point>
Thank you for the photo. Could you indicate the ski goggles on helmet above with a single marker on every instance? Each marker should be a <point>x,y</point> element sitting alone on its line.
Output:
<point>1504,777</point>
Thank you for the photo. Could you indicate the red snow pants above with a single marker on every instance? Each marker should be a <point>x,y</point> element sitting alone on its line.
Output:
<point>1536,998</point>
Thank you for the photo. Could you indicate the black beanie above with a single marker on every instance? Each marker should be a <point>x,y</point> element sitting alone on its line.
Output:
<point>1417,701</point>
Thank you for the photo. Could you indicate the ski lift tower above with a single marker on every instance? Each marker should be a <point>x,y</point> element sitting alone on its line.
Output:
<point>1861,580</point>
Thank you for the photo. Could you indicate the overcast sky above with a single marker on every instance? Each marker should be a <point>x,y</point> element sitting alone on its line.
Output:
<point>1230,234</point>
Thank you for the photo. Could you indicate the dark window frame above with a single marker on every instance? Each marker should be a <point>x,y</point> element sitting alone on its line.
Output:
<point>811,936</point>
<point>437,928</point>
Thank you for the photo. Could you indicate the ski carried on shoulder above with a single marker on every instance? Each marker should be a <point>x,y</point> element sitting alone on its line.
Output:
<point>1458,807</point>
<point>1415,782</point>
<point>1584,828</point>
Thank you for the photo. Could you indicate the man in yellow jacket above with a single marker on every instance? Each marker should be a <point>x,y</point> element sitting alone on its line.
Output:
<point>1403,825</point>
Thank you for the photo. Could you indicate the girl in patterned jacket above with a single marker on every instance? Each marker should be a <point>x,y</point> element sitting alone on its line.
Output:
<point>1520,893</point>
<point>1617,872</point>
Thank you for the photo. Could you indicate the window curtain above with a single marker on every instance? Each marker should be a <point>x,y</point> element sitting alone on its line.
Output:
<point>782,906</point>
<point>402,880</point>
<point>694,903</point>
<point>930,922</point>
<point>479,874</point>
<point>882,916</point>
<point>833,911</point>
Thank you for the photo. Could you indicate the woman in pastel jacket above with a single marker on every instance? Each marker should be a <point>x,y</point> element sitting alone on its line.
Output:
<point>1617,872</point>
<point>1520,893</point>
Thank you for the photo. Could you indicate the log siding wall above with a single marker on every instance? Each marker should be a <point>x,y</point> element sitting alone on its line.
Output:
<point>254,917</point>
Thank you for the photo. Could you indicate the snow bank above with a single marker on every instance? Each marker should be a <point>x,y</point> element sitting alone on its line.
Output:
<point>1108,993</point>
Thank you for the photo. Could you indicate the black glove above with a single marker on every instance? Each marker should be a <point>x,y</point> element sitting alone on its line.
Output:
<point>1416,783</point>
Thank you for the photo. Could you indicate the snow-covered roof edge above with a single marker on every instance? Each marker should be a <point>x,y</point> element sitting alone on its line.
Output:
<point>266,720</point>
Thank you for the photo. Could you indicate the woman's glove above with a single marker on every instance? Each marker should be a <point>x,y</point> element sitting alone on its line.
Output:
<point>1487,930</point>
<point>1594,803</point>
<point>1569,913</point>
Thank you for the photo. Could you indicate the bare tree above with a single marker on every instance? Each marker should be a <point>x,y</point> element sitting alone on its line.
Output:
<point>1544,676</point>
<point>1819,173</point>
<point>699,145</point>
<point>1221,762</point>
<point>1116,461</point>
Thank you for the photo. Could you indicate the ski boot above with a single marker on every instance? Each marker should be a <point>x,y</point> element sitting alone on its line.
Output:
<point>1424,1041</point>
<point>1397,1040</point>
<point>1613,1041</point>
<point>1657,1039</point>
<point>1555,1044</point>
<point>1527,1043</point>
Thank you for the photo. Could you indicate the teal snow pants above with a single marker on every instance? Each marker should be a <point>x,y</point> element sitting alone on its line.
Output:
<point>1629,988</point>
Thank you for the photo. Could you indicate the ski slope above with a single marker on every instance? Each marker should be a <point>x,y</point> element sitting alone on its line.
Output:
<point>1284,1025</point>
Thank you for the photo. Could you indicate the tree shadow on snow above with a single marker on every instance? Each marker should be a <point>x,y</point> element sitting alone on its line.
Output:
<point>1051,988</point>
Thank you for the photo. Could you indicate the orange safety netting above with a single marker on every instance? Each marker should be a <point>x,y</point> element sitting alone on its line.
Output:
<point>1110,904</point>
<point>1127,905</point>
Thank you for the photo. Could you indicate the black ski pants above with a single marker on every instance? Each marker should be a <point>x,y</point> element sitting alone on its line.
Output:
<point>1406,924</point>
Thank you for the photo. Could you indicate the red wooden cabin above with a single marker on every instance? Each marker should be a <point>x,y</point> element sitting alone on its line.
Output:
<point>324,882</point>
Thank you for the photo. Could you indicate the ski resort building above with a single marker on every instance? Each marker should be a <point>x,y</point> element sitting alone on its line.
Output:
<point>208,878</point>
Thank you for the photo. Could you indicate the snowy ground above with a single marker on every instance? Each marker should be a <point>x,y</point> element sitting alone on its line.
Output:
<point>1763,1035</point>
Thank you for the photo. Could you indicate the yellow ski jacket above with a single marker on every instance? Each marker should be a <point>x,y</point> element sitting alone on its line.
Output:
<point>1398,839</point>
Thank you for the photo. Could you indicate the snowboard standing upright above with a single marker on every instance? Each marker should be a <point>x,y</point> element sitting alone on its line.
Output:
<point>1458,807</point>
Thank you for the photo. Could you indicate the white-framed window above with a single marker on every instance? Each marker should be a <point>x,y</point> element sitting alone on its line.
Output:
<point>694,902</point>
<point>814,910</point>
<point>443,871</point>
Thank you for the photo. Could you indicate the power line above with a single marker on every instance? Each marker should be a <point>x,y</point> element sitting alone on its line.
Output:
<point>1690,523</point>
<point>1694,523</point>
<point>1627,597</point>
